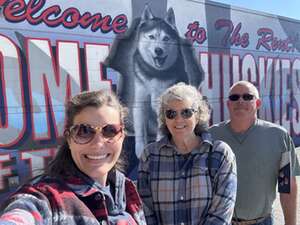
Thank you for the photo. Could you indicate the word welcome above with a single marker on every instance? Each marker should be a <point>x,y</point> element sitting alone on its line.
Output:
<point>34,12</point>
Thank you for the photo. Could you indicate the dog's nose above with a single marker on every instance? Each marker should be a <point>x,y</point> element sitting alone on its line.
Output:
<point>158,51</point>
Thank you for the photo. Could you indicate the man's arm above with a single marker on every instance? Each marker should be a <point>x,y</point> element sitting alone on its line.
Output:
<point>289,203</point>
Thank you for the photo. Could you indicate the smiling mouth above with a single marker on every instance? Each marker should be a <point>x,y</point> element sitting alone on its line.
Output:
<point>159,61</point>
<point>97,157</point>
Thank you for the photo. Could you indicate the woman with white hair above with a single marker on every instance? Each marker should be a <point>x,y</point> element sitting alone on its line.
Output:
<point>186,178</point>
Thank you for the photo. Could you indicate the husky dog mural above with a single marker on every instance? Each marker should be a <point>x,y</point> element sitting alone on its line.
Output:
<point>150,57</point>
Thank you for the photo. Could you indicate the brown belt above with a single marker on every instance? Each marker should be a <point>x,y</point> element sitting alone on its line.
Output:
<point>237,221</point>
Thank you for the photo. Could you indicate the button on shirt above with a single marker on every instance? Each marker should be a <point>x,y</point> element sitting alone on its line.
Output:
<point>177,189</point>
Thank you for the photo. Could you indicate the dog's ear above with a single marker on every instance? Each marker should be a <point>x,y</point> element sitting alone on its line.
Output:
<point>170,17</point>
<point>147,14</point>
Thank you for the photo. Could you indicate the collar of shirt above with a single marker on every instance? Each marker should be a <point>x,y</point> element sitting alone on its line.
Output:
<point>84,186</point>
<point>114,196</point>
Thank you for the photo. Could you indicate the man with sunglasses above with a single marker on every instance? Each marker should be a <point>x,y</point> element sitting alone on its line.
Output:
<point>265,156</point>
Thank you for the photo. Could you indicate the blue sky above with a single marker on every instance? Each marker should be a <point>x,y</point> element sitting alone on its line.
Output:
<point>287,8</point>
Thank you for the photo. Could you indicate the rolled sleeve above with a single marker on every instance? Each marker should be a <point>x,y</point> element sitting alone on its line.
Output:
<point>289,166</point>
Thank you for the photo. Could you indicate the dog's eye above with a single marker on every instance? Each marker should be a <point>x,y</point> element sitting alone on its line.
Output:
<point>166,38</point>
<point>151,37</point>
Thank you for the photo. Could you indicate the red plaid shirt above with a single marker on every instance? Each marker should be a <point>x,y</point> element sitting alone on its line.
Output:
<point>75,200</point>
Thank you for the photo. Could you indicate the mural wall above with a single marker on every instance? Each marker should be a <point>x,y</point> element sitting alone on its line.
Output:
<point>51,50</point>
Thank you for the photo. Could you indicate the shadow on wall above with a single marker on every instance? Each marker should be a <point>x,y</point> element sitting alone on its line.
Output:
<point>150,56</point>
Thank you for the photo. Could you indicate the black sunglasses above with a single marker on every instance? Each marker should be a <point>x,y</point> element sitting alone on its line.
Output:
<point>185,113</point>
<point>236,97</point>
<point>84,133</point>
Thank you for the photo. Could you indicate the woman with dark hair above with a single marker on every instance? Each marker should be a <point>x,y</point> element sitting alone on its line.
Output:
<point>84,183</point>
<point>186,177</point>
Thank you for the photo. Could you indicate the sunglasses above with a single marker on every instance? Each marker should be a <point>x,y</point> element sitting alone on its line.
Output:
<point>84,133</point>
<point>245,97</point>
<point>185,113</point>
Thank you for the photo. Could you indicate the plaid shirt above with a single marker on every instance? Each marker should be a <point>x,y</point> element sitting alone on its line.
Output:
<point>75,200</point>
<point>178,189</point>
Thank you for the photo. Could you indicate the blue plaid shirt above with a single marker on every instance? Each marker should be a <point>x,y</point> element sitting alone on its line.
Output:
<point>179,189</point>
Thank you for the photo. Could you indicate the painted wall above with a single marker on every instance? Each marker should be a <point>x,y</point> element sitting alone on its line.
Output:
<point>52,50</point>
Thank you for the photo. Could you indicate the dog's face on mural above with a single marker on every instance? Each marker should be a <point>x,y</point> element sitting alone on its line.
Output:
<point>158,40</point>
<point>151,57</point>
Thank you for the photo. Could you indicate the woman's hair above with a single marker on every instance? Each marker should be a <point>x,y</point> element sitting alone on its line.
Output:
<point>182,92</point>
<point>63,164</point>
